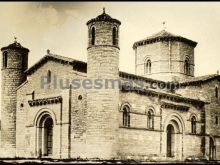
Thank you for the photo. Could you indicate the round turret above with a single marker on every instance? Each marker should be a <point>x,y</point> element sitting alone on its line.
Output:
<point>102,104</point>
<point>14,63</point>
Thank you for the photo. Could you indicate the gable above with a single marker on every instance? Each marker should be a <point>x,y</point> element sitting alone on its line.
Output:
<point>76,65</point>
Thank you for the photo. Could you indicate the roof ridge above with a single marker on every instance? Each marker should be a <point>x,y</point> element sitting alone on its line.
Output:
<point>59,57</point>
<point>200,78</point>
<point>160,33</point>
<point>161,36</point>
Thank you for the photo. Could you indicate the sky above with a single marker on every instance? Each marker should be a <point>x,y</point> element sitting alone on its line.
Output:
<point>61,27</point>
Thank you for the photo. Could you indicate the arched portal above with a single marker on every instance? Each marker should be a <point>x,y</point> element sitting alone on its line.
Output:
<point>212,148</point>
<point>45,135</point>
<point>173,137</point>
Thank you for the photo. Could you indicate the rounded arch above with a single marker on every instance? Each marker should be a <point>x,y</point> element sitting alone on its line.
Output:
<point>216,91</point>
<point>150,108</point>
<point>193,118</point>
<point>92,26</point>
<point>93,34</point>
<point>44,112</point>
<point>193,121</point>
<point>126,104</point>
<point>193,115</point>
<point>5,52</point>
<point>212,148</point>
<point>176,127</point>
<point>44,122</point>
<point>49,76</point>
<point>5,59</point>
<point>114,35</point>
<point>150,117</point>
<point>147,57</point>
<point>126,109</point>
<point>170,128</point>
<point>174,131</point>
<point>187,57</point>
<point>177,122</point>
<point>147,66</point>
<point>213,139</point>
<point>187,65</point>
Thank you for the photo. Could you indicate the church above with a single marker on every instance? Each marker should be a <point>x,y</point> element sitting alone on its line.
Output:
<point>39,119</point>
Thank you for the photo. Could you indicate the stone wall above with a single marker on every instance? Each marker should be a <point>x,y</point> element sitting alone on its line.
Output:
<point>167,60</point>
<point>102,103</point>
<point>12,76</point>
<point>206,91</point>
<point>78,106</point>
<point>141,143</point>
<point>27,115</point>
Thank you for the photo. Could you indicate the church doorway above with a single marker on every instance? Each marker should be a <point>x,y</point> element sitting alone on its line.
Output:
<point>212,148</point>
<point>173,134</point>
<point>170,141</point>
<point>45,136</point>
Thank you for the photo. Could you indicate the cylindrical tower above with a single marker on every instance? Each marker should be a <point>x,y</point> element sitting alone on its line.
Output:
<point>14,63</point>
<point>102,104</point>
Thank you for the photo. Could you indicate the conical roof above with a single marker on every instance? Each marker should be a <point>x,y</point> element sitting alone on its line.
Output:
<point>104,17</point>
<point>164,36</point>
<point>15,45</point>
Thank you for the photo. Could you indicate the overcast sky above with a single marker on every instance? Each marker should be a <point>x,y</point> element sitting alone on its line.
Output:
<point>61,27</point>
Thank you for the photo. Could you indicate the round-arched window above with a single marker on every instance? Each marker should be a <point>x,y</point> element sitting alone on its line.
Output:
<point>114,36</point>
<point>126,115</point>
<point>150,119</point>
<point>93,35</point>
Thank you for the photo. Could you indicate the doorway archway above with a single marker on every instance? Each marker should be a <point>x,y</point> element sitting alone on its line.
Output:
<point>173,137</point>
<point>45,136</point>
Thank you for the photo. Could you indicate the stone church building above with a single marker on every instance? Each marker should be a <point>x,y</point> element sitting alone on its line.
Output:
<point>151,122</point>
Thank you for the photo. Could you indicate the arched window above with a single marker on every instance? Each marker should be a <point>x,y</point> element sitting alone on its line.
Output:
<point>170,140</point>
<point>114,36</point>
<point>186,67</point>
<point>150,119</point>
<point>24,62</point>
<point>147,67</point>
<point>48,76</point>
<point>126,116</point>
<point>5,59</point>
<point>216,120</point>
<point>193,124</point>
<point>93,36</point>
<point>216,92</point>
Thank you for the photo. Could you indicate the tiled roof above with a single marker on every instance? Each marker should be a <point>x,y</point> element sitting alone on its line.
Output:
<point>104,17</point>
<point>164,36</point>
<point>201,79</point>
<point>78,65</point>
<point>166,95</point>
<point>162,33</point>
<point>15,45</point>
<point>82,65</point>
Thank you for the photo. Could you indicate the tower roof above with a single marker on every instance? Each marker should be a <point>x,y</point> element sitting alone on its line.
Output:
<point>164,36</point>
<point>14,45</point>
<point>103,17</point>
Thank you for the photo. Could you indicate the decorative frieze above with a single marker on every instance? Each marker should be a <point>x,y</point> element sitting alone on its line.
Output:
<point>45,101</point>
<point>174,106</point>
